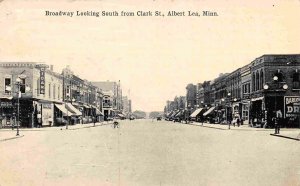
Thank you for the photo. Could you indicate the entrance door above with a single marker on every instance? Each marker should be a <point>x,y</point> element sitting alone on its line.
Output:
<point>105,115</point>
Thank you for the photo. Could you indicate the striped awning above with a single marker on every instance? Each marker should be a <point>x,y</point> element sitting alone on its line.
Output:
<point>75,110</point>
<point>209,111</point>
<point>196,112</point>
<point>64,110</point>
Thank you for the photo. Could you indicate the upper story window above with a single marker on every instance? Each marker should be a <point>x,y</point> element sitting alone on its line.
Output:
<point>279,75</point>
<point>58,92</point>
<point>54,93</point>
<point>49,90</point>
<point>7,85</point>
<point>22,85</point>
<point>296,80</point>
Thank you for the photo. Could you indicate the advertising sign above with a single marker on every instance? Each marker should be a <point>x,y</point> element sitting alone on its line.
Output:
<point>291,106</point>
<point>42,80</point>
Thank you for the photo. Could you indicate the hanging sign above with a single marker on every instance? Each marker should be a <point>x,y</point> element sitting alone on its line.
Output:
<point>42,80</point>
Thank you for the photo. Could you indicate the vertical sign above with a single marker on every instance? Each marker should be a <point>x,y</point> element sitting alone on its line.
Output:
<point>42,80</point>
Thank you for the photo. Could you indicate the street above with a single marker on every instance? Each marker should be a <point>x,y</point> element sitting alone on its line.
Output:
<point>146,152</point>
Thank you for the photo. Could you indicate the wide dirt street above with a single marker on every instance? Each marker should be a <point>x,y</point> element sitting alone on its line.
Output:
<point>146,152</point>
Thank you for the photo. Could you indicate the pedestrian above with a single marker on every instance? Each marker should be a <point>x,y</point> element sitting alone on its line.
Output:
<point>276,125</point>
<point>229,122</point>
<point>238,122</point>
<point>94,119</point>
<point>116,123</point>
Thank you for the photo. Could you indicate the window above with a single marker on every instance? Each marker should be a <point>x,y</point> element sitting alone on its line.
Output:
<point>7,86</point>
<point>253,82</point>
<point>38,86</point>
<point>22,86</point>
<point>279,75</point>
<point>261,79</point>
<point>49,90</point>
<point>58,93</point>
<point>257,81</point>
<point>296,80</point>
<point>54,89</point>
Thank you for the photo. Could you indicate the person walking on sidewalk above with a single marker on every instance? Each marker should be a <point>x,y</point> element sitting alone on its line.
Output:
<point>238,122</point>
<point>94,120</point>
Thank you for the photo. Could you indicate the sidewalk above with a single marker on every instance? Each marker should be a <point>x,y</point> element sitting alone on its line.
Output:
<point>9,134</point>
<point>289,133</point>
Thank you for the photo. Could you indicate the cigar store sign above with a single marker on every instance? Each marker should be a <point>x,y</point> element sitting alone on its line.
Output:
<point>292,106</point>
<point>42,68</point>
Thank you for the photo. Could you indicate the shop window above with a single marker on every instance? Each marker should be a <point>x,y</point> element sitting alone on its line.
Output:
<point>7,86</point>
<point>296,80</point>
<point>22,86</point>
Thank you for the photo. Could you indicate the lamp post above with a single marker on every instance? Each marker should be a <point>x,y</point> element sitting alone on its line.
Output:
<point>229,113</point>
<point>18,84</point>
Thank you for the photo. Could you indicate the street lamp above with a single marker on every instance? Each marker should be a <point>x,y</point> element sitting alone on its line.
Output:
<point>276,89</point>
<point>19,83</point>
<point>228,109</point>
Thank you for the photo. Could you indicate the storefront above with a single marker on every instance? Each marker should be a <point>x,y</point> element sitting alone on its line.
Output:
<point>44,113</point>
<point>245,111</point>
<point>256,111</point>
<point>210,115</point>
<point>7,118</point>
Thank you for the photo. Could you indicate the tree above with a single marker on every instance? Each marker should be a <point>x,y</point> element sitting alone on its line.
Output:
<point>139,114</point>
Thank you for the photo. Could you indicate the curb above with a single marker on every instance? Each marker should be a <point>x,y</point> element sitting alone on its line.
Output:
<point>297,139</point>
<point>85,127</point>
<point>6,139</point>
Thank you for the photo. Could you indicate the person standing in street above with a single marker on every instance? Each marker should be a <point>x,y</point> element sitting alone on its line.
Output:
<point>276,125</point>
<point>238,122</point>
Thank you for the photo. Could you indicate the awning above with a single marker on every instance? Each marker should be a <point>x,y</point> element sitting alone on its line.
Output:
<point>86,106</point>
<point>72,108</point>
<point>63,109</point>
<point>175,113</point>
<point>121,115</point>
<point>170,114</point>
<point>196,112</point>
<point>257,99</point>
<point>98,112</point>
<point>179,114</point>
<point>209,111</point>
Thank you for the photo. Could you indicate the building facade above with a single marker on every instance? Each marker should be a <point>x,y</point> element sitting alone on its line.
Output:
<point>266,88</point>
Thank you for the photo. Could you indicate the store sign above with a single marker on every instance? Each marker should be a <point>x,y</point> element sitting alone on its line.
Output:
<point>6,104</point>
<point>46,106</point>
<point>292,106</point>
<point>42,80</point>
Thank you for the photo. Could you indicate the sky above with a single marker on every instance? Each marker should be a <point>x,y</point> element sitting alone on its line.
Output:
<point>153,57</point>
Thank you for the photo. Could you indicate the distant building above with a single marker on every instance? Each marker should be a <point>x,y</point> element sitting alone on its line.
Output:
<point>115,87</point>
<point>191,96</point>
